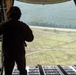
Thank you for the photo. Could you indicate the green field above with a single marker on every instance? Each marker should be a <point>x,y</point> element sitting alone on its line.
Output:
<point>51,47</point>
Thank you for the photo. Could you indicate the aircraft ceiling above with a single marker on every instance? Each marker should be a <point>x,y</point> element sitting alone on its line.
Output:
<point>43,1</point>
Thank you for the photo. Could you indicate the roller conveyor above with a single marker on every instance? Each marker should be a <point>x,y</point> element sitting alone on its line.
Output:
<point>49,70</point>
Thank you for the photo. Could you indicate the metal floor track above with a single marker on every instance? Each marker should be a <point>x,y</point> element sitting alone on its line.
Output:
<point>49,70</point>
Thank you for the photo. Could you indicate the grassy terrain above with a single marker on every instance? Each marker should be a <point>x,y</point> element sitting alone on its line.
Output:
<point>51,47</point>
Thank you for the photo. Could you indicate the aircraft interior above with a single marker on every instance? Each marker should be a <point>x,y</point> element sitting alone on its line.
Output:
<point>36,55</point>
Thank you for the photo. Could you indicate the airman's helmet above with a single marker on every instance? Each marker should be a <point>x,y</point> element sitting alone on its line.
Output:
<point>14,12</point>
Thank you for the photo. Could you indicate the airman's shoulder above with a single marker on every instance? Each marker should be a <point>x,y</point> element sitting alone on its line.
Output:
<point>24,24</point>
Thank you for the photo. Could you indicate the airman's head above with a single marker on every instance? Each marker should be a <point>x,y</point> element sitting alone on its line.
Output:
<point>14,12</point>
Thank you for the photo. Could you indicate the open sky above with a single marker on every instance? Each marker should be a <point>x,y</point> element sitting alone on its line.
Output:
<point>61,13</point>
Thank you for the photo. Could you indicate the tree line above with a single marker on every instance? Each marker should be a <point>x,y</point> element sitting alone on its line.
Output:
<point>68,26</point>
